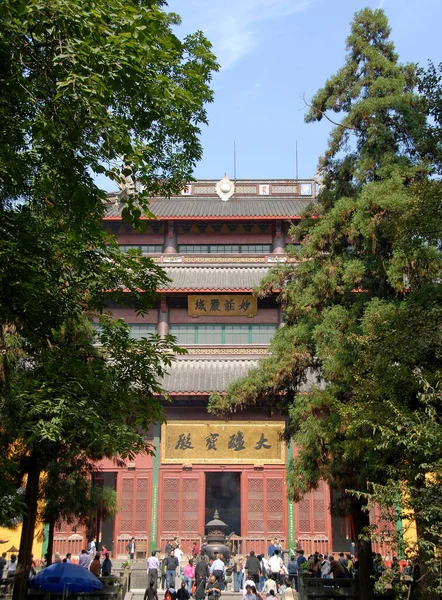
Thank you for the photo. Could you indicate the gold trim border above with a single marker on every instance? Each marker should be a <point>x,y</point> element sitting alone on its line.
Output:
<point>194,426</point>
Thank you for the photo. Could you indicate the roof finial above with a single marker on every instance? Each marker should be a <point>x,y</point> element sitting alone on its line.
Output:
<point>225,188</point>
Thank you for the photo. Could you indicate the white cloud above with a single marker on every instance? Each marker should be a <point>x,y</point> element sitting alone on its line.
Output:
<point>234,26</point>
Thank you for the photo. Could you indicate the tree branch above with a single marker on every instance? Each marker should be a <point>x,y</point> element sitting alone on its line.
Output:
<point>328,118</point>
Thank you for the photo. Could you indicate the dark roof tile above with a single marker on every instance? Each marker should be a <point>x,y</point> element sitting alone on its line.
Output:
<point>214,278</point>
<point>200,207</point>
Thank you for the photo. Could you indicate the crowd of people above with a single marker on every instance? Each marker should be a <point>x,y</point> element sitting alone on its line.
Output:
<point>8,567</point>
<point>98,563</point>
<point>256,577</point>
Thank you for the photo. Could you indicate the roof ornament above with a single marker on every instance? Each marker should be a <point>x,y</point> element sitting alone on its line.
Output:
<point>127,182</point>
<point>225,188</point>
<point>319,178</point>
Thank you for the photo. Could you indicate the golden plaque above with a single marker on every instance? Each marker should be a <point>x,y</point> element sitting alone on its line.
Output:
<point>221,442</point>
<point>222,305</point>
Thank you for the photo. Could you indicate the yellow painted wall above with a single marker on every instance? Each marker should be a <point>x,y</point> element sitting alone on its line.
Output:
<point>13,539</point>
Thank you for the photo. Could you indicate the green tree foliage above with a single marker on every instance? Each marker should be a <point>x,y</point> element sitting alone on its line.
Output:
<point>363,302</point>
<point>86,87</point>
<point>430,87</point>
<point>412,488</point>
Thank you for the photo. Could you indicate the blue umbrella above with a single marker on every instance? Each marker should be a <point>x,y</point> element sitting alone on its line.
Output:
<point>61,577</point>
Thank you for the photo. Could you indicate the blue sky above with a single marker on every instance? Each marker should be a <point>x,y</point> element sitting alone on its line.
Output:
<point>272,52</point>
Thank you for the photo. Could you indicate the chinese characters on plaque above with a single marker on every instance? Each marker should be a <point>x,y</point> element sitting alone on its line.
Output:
<point>215,441</point>
<point>222,305</point>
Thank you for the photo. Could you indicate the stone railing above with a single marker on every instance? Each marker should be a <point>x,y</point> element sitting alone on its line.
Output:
<point>311,588</point>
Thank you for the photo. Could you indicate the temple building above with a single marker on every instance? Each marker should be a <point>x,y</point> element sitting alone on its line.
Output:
<point>216,240</point>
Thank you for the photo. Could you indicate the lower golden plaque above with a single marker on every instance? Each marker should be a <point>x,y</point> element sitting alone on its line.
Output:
<point>253,442</point>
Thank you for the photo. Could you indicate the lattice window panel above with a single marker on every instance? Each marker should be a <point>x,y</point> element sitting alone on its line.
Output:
<point>171,504</point>
<point>126,525</point>
<point>319,508</point>
<point>190,526</point>
<point>141,507</point>
<point>171,487</point>
<point>255,526</point>
<point>255,485</point>
<point>304,515</point>
<point>190,505</point>
<point>274,507</point>
<point>170,525</point>
<point>275,523</point>
<point>127,505</point>
<point>274,487</point>
<point>61,526</point>
<point>275,526</point>
<point>255,505</point>
<point>274,497</point>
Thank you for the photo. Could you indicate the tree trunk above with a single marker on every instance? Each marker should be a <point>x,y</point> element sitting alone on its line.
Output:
<point>426,544</point>
<point>27,533</point>
<point>50,550</point>
<point>361,520</point>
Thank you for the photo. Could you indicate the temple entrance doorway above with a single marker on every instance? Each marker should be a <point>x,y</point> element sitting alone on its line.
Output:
<point>223,493</point>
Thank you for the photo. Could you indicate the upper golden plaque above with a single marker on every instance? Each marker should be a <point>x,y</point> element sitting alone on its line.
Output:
<point>222,305</point>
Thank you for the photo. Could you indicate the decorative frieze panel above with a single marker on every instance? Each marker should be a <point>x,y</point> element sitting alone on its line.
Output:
<point>284,189</point>
<point>216,351</point>
<point>246,189</point>
<point>204,189</point>
<point>224,259</point>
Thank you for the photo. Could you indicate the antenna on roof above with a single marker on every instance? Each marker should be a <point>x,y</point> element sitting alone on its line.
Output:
<point>296,146</point>
<point>234,167</point>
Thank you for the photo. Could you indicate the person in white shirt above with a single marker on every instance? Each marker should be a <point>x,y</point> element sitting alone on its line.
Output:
<point>11,566</point>
<point>217,569</point>
<point>270,584</point>
<point>248,582</point>
<point>275,566</point>
<point>153,564</point>
<point>179,553</point>
<point>289,593</point>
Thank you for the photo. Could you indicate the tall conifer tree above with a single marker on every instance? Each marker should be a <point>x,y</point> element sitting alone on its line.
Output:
<point>362,305</point>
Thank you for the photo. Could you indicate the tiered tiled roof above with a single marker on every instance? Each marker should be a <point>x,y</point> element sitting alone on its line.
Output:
<point>263,199</point>
<point>203,376</point>
<point>203,208</point>
<point>211,279</point>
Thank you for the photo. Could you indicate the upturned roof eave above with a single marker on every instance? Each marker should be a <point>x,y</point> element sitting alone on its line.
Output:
<point>211,218</point>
